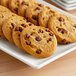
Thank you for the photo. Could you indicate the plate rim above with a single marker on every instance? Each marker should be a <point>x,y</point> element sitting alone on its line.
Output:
<point>38,66</point>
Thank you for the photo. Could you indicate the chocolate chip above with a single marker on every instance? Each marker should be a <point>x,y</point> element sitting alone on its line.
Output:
<point>20,29</point>
<point>16,9</point>
<point>43,18</point>
<point>51,11</point>
<point>17,29</point>
<point>63,41</point>
<point>12,25</point>
<point>40,31</point>
<point>47,30</point>
<point>49,40</point>
<point>37,8</point>
<point>62,30</point>
<point>10,28</point>
<point>32,33</point>
<point>27,35</point>
<point>38,51</point>
<point>75,26</point>
<point>38,38</point>
<point>23,3</point>
<point>40,5</point>
<point>51,34</point>
<point>30,24</point>
<point>61,19</point>
<point>35,18</point>
<point>59,29</point>
<point>18,0</point>
<point>23,25</point>
<point>28,42</point>
<point>67,42</point>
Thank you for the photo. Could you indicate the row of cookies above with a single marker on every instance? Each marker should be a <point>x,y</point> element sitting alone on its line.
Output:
<point>34,12</point>
<point>35,40</point>
<point>63,26</point>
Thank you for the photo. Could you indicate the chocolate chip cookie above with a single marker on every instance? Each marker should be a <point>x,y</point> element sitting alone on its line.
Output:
<point>33,12</point>
<point>22,8</point>
<point>63,27</point>
<point>3,17</point>
<point>38,41</point>
<point>17,31</point>
<point>9,24</point>
<point>44,17</point>
<point>14,4</point>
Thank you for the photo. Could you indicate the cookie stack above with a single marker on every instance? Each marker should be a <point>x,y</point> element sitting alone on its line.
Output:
<point>38,31</point>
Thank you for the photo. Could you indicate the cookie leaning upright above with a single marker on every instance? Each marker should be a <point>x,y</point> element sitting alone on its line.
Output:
<point>33,12</point>
<point>21,10</point>
<point>14,4</point>
<point>44,16</point>
<point>24,5</point>
<point>16,33</point>
<point>38,41</point>
<point>4,14</point>
<point>4,3</point>
<point>63,27</point>
<point>9,24</point>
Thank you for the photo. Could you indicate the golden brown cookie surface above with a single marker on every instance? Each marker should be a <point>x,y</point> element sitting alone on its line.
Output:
<point>64,28</point>
<point>16,33</point>
<point>44,17</point>
<point>4,3</point>
<point>14,4</point>
<point>9,24</point>
<point>4,9</point>
<point>38,41</point>
<point>22,8</point>
<point>4,14</point>
<point>33,12</point>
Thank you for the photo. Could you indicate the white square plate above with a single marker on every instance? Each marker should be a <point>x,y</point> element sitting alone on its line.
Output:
<point>32,61</point>
<point>69,1</point>
<point>64,5</point>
